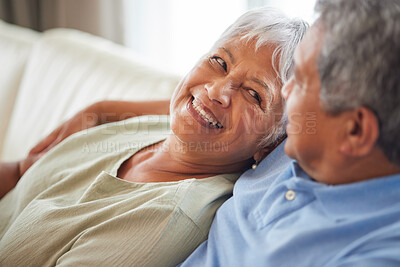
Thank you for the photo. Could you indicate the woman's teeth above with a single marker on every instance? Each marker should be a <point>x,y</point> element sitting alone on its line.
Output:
<point>205,116</point>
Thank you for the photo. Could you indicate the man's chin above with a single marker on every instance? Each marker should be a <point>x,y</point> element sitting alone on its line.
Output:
<point>288,149</point>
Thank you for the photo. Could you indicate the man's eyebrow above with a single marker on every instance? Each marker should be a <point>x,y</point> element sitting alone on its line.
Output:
<point>229,54</point>
<point>296,72</point>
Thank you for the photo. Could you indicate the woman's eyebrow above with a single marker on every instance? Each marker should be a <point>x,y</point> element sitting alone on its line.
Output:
<point>229,54</point>
<point>264,85</point>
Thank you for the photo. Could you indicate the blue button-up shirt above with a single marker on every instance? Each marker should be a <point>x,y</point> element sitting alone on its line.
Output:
<point>279,216</point>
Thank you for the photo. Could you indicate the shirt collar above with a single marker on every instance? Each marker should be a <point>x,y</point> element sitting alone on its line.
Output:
<point>297,171</point>
<point>358,198</point>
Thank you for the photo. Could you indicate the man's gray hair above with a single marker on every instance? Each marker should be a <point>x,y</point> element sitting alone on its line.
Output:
<point>270,27</point>
<point>359,64</point>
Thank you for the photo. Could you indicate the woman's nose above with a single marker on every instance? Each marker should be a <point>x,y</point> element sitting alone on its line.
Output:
<point>220,93</point>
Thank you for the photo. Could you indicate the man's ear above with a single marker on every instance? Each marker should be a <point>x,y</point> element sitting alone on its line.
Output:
<point>361,132</point>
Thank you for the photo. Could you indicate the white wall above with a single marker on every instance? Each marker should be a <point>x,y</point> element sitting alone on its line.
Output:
<point>295,8</point>
<point>174,34</point>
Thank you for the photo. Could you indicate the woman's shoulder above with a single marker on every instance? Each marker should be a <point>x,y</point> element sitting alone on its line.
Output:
<point>199,199</point>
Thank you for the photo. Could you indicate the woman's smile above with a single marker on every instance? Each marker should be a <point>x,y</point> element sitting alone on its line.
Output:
<point>202,114</point>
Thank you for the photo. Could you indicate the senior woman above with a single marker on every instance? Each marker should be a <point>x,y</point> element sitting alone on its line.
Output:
<point>144,191</point>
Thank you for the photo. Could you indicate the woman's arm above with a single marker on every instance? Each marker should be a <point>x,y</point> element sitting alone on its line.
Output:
<point>9,176</point>
<point>111,111</point>
<point>96,114</point>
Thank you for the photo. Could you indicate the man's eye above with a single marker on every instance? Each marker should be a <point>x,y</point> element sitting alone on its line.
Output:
<point>254,94</point>
<point>221,62</point>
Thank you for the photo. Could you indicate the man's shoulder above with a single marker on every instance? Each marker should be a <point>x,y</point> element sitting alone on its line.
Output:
<point>234,219</point>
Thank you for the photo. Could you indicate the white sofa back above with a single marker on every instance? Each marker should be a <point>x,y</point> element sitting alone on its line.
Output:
<point>68,70</point>
<point>15,47</point>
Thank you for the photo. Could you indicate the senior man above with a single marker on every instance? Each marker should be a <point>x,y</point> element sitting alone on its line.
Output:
<point>337,204</point>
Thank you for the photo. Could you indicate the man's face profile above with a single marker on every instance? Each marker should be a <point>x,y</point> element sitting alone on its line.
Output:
<point>312,133</point>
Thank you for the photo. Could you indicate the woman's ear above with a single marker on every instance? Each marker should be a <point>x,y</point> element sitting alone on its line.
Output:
<point>260,155</point>
<point>264,151</point>
<point>361,132</point>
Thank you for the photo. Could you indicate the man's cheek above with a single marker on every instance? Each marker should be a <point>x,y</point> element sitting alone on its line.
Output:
<point>294,126</point>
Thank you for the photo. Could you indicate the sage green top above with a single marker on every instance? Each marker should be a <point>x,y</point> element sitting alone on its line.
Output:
<point>70,209</point>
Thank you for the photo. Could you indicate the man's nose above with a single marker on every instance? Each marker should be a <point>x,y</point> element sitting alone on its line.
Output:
<point>220,92</point>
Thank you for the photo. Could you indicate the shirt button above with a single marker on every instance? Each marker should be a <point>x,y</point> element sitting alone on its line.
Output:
<point>290,195</point>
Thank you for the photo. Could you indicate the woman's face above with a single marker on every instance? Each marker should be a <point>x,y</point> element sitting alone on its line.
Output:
<point>227,102</point>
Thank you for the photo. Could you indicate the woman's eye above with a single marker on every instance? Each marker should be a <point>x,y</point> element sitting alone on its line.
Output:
<point>220,62</point>
<point>255,95</point>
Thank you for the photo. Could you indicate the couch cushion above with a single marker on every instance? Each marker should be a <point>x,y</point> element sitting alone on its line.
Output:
<point>15,45</point>
<point>69,70</point>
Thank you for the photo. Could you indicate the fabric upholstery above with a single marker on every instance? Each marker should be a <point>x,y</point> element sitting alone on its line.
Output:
<point>68,70</point>
<point>15,46</point>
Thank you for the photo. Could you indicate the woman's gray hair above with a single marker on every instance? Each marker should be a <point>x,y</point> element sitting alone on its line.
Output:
<point>270,27</point>
<point>359,64</point>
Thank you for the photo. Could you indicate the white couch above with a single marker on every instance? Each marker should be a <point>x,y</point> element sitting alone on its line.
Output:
<point>47,77</point>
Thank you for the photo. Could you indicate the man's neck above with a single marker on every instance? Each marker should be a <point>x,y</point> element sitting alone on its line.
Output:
<point>354,169</point>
